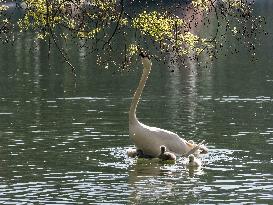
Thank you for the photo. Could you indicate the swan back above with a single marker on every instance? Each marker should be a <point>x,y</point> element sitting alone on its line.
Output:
<point>149,139</point>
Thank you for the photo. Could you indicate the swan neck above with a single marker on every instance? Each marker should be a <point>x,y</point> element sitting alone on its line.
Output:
<point>138,92</point>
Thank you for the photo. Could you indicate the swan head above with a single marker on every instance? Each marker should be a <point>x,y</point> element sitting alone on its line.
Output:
<point>146,60</point>
<point>162,149</point>
<point>191,158</point>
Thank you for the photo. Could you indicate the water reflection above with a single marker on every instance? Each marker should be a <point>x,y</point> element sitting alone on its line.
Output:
<point>188,80</point>
<point>153,178</point>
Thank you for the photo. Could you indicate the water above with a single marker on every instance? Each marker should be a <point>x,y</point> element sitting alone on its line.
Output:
<point>65,145</point>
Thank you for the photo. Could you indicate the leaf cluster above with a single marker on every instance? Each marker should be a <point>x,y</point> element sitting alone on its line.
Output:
<point>111,28</point>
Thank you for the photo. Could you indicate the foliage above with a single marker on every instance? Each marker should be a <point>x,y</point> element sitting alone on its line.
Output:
<point>105,25</point>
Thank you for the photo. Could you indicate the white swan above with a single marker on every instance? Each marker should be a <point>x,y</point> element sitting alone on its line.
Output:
<point>149,139</point>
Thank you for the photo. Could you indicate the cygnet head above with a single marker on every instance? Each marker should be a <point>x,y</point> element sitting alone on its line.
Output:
<point>191,158</point>
<point>163,149</point>
<point>140,153</point>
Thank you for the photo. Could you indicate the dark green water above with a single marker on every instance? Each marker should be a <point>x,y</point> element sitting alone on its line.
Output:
<point>65,145</point>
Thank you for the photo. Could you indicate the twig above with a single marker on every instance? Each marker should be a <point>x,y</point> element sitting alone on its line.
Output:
<point>117,25</point>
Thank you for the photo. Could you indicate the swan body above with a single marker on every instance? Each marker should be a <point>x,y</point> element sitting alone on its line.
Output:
<point>149,139</point>
<point>166,155</point>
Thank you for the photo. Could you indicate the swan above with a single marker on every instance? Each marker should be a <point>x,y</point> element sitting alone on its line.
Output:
<point>166,155</point>
<point>149,139</point>
<point>193,162</point>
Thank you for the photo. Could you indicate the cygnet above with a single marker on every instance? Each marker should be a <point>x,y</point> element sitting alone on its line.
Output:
<point>193,162</point>
<point>166,155</point>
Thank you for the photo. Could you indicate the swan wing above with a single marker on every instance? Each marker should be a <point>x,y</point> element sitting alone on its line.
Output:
<point>149,139</point>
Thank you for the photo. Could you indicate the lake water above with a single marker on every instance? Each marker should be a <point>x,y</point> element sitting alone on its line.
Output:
<point>61,144</point>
